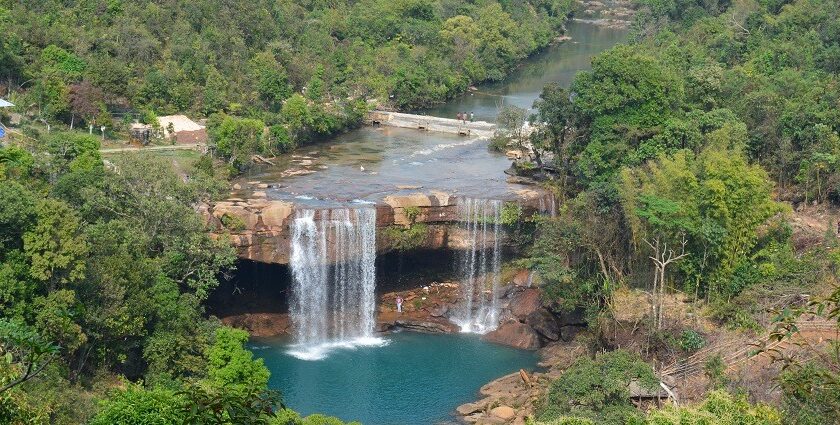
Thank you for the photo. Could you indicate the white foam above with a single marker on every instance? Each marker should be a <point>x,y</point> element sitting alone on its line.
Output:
<point>304,197</point>
<point>322,351</point>
<point>443,146</point>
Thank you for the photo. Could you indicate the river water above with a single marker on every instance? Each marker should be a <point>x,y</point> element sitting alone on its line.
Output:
<point>370,163</point>
<point>412,378</point>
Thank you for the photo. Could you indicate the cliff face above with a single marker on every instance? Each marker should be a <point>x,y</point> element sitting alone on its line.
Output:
<point>259,227</point>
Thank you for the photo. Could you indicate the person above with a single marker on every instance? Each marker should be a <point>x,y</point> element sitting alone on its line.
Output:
<point>399,304</point>
<point>465,116</point>
<point>458,116</point>
<point>472,117</point>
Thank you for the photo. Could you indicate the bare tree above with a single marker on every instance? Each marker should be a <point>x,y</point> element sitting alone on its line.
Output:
<point>662,257</point>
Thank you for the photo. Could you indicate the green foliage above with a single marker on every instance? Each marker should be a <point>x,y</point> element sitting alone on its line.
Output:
<point>233,222</point>
<point>511,213</point>
<point>411,213</point>
<point>230,365</point>
<point>715,200</point>
<point>715,370</point>
<point>598,389</point>
<point>811,394</point>
<point>406,239</point>
<point>24,353</point>
<point>720,408</point>
<point>691,341</point>
<point>236,139</point>
<point>138,406</point>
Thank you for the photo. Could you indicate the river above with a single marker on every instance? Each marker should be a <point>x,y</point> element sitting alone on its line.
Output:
<point>412,378</point>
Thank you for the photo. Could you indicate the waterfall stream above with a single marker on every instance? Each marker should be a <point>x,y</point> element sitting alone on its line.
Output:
<point>479,265</point>
<point>333,252</point>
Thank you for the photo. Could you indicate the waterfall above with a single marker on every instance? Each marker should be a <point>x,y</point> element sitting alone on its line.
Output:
<point>333,252</point>
<point>479,264</point>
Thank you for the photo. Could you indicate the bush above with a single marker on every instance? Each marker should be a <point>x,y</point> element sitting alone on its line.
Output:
<point>599,389</point>
<point>232,222</point>
<point>691,341</point>
<point>138,406</point>
<point>719,408</point>
<point>406,239</point>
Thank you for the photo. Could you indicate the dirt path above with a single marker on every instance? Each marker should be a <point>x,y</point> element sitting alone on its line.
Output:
<point>188,146</point>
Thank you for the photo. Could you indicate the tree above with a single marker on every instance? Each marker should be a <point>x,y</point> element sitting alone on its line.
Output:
<point>55,246</point>
<point>214,95</point>
<point>598,388</point>
<point>237,139</point>
<point>24,353</point>
<point>86,101</point>
<point>270,79</point>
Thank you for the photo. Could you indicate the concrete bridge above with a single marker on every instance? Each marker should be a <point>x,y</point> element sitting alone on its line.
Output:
<point>430,123</point>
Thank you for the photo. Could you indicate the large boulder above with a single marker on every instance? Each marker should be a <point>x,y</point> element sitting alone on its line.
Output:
<point>515,334</point>
<point>524,303</point>
<point>545,324</point>
<point>503,412</point>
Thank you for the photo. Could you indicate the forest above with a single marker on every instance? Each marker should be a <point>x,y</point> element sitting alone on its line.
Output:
<point>306,69</point>
<point>681,161</point>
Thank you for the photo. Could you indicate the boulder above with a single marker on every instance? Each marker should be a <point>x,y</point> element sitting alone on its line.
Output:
<point>576,317</point>
<point>503,412</point>
<point>525,303</point>
<point>568,333</point>
<point>469,408</point>
<point>427,326</point>
<point>515,334</point>
<point>544,323</point>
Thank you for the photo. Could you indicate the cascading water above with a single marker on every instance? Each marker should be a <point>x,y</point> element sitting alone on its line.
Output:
<point>479,265</point>
<point>333,252</point>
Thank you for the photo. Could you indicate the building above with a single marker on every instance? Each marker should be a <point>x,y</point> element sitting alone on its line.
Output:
<point>184,129</point>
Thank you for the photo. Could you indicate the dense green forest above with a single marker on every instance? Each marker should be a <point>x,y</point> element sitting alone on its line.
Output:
<point>680,157</point>
<point>303,68</point>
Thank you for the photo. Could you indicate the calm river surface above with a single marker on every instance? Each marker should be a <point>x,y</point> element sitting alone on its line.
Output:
<point>414,378</point>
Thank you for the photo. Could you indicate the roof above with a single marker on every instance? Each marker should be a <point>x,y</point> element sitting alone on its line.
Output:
<point>179,123</point>
<point>5,104</point>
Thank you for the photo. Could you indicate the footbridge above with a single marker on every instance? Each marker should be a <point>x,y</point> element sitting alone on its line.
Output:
<point>431,123</point>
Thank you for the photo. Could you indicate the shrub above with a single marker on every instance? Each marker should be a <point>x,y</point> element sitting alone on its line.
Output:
<point>598,389</point>
<point>511,213</point>
<point>232,222</point>
<point>691,341</point>
<point>411,213</point>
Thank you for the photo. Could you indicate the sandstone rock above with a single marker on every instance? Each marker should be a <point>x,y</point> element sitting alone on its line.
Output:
<point>275,214</point>
<point>427,325</point>
<point>261,324</point>
<point>469,408</point>
<point>522,277</point>
<point>544,323</point>
<point>439,311</point>
<point>515,334</point>
<point>237,186</point>
<point>525,303</point>
<point>503,412</point>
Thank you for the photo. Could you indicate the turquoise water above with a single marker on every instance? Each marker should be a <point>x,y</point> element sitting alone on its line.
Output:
<point>414,379</point>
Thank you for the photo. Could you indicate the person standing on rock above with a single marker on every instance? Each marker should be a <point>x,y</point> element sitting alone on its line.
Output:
<point>399,304</point>
<point>472,117</point>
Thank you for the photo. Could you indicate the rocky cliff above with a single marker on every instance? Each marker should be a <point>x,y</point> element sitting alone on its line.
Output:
<point>259,227</point>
